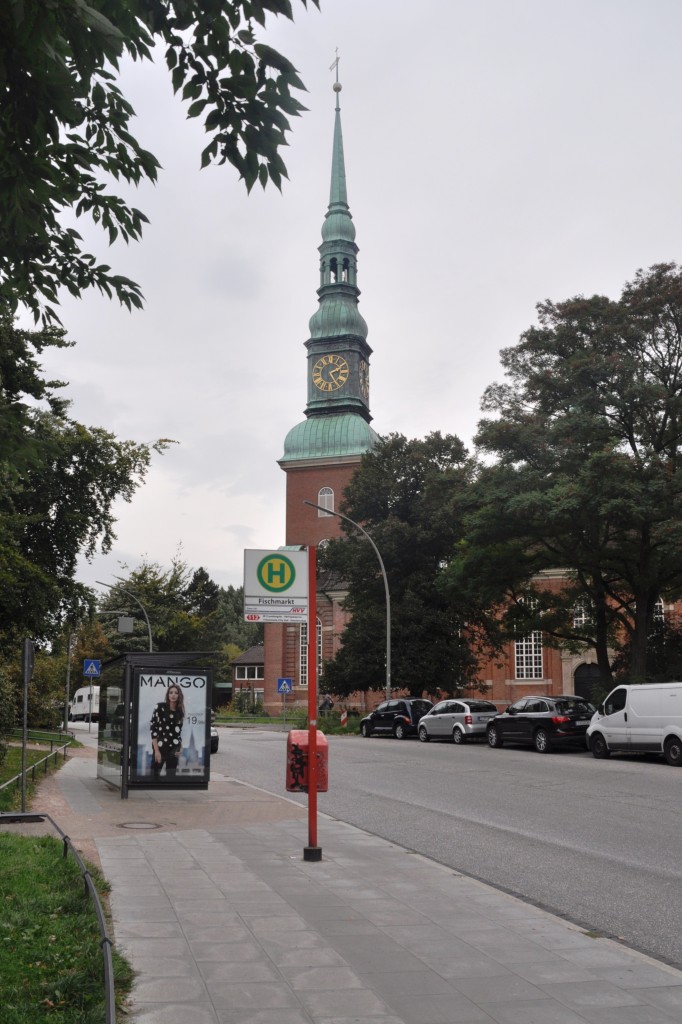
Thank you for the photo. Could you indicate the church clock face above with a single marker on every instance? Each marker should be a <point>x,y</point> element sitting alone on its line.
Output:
<point>330,372</point>
<point>363,376</point>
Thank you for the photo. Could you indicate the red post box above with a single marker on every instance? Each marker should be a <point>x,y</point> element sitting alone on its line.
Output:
<point>297,761</point>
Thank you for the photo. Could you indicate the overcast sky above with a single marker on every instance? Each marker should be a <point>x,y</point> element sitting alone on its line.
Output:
<point>498,153</point>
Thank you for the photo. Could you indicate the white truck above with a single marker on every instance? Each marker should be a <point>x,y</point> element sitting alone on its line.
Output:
<point>80,707</point>
<point>639,719</point>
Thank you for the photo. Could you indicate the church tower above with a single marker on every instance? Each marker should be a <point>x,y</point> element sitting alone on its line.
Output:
<point>322,452</point>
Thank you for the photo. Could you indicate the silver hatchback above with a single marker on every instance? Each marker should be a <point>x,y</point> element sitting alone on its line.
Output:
<point>458,720</point>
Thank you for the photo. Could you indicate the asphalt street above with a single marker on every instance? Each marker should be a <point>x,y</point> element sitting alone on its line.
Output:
<point>596,842</point>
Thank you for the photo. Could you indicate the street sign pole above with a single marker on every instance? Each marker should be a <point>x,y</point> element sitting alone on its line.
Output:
<point>27,660</point>
<point>312,851</point>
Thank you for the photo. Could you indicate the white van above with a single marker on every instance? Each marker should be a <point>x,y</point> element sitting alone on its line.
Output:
<point>639,719</point>
<point>79,707</point>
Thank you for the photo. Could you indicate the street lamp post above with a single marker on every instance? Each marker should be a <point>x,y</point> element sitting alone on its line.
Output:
<point>117,586</point>
<point>383,573</point>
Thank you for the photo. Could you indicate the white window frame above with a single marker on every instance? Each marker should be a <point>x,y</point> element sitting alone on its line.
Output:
<point>303,652</point>
<point>528,654</point>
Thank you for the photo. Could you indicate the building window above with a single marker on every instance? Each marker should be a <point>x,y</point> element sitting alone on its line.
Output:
<point>249,672</point>
<point>528,655</point>
<point>582,613</point>
<point>659,612</point>
<point>303,652</point>
<point>325,498</point>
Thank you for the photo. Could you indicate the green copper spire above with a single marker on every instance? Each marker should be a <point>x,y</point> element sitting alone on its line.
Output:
<point>338,353</point>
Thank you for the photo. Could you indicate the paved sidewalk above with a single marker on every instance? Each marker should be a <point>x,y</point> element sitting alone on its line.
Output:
<point>225,923</point>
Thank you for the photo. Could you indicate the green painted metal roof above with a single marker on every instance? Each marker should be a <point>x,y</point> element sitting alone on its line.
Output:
<point>329,436</point>
<point>337,315</point>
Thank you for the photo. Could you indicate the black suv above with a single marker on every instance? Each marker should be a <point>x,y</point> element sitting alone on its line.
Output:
<point>542,722</point>
<point>398,718</point>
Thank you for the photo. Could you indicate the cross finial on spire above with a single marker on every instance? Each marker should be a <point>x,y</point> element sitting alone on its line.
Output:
<point>337,85</point>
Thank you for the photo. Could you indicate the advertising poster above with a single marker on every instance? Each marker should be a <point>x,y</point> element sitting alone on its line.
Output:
<point>170,727</point>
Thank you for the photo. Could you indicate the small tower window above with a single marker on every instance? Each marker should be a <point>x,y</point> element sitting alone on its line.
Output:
<point>334,268</point>
<point>345,273</point>
<point>325,498</point>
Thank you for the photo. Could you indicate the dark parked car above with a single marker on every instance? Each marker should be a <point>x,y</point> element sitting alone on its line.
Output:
<point>542,722</point>
<point>399,718</point>
<point>457,720</point>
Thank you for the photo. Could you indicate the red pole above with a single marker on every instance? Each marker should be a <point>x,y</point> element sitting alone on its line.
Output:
<point>312,850</point>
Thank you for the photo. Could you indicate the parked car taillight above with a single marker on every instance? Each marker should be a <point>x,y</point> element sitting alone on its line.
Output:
<point>560,719</point>
<point>468,720</point>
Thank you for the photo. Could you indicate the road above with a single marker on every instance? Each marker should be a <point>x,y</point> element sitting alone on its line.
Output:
<point>598,842</point>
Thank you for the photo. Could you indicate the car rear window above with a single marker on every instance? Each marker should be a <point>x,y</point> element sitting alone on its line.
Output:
<point>575,707</point>
<point>482,705</point>
<point>421,707</point>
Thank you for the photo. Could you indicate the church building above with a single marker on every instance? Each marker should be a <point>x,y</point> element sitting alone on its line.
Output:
<point>322,452</point>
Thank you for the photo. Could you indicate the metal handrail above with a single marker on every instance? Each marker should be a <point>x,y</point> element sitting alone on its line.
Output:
<point>106,943</point>
<point>53,754</point>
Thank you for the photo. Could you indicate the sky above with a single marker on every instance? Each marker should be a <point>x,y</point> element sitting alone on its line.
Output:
<point>498,153</point>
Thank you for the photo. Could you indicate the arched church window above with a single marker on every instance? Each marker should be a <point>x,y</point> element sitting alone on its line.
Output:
<point>334,268</point>
<point>345,273</point>
<point>659,611</point>
<point>325,498</point>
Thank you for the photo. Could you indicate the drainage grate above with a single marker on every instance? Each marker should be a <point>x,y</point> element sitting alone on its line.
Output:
<point>138,824</point>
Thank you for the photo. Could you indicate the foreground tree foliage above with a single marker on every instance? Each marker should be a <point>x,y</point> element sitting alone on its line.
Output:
<point>59,481</point>
<point>586,438</point>
<point>65,124</point>
<point>406,494</point>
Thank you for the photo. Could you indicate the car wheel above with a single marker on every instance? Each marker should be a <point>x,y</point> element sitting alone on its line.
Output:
<point>673,751</point>
<point>423,734</point>
<point>598,746</point>
<point>365,730</point>
<point>458,736</point>
<point>494,736</point>
<point>542,742</point>
<point>399,731</point>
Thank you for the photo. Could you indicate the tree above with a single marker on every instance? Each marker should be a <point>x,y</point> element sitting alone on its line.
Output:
<point>65,124</point>
<point>587,436</point>
<point>187,611</point>
<point>405,494</point>
<point>60,480</point>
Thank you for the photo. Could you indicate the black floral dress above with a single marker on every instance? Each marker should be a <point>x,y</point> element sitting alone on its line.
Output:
<point>166,729</point>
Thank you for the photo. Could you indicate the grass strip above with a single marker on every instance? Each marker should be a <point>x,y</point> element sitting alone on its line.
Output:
<point>10,798</point>
<point>51,966</point>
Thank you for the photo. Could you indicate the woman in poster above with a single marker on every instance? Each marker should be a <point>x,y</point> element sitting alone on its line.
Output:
<point>166,730</point>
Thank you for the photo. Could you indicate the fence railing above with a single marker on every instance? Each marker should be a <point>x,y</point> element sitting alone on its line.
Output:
<point>31,769</point>
<point>106,944</point>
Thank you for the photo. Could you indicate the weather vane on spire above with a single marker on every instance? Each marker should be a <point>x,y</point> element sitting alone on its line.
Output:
<point>337,85</point>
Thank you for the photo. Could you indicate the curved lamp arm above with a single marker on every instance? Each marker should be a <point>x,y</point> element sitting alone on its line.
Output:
<point>133,598</point>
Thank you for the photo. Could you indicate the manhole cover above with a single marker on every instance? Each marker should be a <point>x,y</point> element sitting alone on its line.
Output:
<point>138,824</point>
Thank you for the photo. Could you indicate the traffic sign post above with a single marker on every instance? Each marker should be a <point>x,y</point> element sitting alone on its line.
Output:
<point>92,669</point>
<point>284,686</point>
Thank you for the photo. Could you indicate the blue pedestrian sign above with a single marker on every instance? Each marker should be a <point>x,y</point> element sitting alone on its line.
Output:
<point>284,685</point>
<point>92,669</point>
